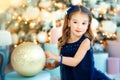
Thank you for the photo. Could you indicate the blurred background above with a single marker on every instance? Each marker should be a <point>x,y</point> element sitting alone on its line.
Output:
<point>40,21</point>
<point>27,20</point>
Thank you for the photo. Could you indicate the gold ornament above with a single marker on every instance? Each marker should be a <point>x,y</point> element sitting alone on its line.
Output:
<point>28,59</point>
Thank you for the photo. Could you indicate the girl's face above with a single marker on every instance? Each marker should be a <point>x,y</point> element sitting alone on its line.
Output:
<point>78,24</point>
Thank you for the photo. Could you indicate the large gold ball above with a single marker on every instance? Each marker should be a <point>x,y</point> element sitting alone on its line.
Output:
<point>28,59</point>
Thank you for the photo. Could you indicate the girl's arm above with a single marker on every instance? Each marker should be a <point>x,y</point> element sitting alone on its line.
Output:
<point>72,61</point>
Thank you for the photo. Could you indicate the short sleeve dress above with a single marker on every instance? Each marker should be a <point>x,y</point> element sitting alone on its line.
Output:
<point>85,70</point>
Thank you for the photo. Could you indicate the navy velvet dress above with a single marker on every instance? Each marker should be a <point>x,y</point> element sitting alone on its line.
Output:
<point>85,70</point>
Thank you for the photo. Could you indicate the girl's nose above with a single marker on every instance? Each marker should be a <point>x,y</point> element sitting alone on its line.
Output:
<point>79,25</point>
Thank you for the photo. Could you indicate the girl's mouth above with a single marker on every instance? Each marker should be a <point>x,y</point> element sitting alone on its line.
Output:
<point>77,30</point>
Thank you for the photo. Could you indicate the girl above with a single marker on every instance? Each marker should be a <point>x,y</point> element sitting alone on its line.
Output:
<point>76,55</point>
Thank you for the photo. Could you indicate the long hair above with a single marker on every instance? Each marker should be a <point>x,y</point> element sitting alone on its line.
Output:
<point>66,30</point>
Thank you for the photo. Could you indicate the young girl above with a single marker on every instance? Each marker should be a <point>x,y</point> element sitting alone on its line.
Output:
<point>76,55</point>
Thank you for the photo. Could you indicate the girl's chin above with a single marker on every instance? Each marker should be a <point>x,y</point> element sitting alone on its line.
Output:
<point>79,35</point>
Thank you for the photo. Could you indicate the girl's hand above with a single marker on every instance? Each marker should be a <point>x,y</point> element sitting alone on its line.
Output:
<point>49,65</point>
<point>49,55</point>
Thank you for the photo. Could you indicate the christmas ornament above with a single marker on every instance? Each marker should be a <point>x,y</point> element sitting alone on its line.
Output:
<point>109,26</point>
<point>75,2</point>
<point>92,3</point>
<point>42,37</point>
<point>94,24</point>
<point>46,16</point>
<point>28,59</point>
<point>15,38</point>
<point>5,38</point>
<point>31,13</point>
<point>17,3</point>
<point>45,4</point>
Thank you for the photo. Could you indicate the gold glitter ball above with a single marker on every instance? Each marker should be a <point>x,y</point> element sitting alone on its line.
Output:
<point>28,59</point>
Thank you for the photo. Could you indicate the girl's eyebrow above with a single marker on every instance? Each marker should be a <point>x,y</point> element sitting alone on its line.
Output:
<point>86,20</point>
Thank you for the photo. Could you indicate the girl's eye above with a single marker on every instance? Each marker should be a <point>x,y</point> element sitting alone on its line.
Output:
<point>83,23</point>
<point>74,22</point>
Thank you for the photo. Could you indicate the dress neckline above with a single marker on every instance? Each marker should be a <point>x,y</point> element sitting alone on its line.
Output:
<point>75,41</point>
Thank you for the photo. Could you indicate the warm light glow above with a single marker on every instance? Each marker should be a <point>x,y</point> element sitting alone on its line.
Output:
<point>26,22</point>
<point>60,5</point>
<point>13,17</point>
<point>4,4</point>
<point>114,35</point>
<point>19,18</point>
<point>8,22</point>
<point>15,45</point>
<point>38,19</point>
<point>32,24</point>
<point>35,41</point>
<point>101,41</point>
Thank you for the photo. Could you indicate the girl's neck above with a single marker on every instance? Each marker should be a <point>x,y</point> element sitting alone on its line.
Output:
<point>73,39</point>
